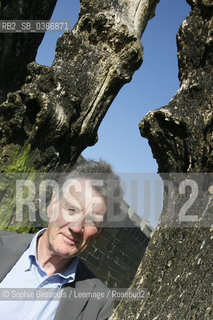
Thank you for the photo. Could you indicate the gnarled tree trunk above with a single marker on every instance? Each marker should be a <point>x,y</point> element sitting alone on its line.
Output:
<point>177,266</point>
<point>55,112</point>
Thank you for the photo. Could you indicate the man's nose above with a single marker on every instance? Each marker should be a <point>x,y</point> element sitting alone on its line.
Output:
<point>77,225</point>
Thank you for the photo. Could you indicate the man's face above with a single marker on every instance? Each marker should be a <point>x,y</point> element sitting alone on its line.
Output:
<point>73,219</point>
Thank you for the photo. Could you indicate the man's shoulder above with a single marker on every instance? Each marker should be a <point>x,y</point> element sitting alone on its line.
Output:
<point>14,240</point>
<point>94,294</point>
<point>12,245</point>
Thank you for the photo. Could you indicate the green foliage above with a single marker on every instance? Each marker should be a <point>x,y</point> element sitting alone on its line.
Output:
<point>20,162</point>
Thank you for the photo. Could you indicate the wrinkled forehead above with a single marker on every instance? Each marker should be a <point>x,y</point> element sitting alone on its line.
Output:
<point>78,187</point>
<point>81,193</point>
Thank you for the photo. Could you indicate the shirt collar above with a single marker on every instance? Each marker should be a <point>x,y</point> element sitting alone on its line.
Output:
<point>68,274</point>
<point>31,251</point>
<point>33,245</point>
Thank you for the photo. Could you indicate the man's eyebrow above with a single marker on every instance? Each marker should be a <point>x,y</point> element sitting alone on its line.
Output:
<point>69,203</point>
<point>92,213</point>
<point>97,214</point>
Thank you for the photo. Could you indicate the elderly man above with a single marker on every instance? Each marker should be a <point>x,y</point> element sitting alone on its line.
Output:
<point>51,261</point>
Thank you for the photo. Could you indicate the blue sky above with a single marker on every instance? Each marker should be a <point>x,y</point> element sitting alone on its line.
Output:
<point>152,87</point>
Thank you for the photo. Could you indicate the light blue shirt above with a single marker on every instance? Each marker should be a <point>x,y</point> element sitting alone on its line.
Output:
<point>27,273</point>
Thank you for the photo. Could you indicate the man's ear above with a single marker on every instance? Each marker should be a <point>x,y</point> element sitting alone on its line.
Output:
<point>99,234</point>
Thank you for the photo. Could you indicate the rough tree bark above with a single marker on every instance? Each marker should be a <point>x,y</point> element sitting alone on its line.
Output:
<point>54,115</point>
<point>177,266</point>
<point>17,50</point>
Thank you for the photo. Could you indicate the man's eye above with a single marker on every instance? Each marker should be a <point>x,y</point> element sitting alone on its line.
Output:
<point>71,210</point>
<point>90,221</point>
